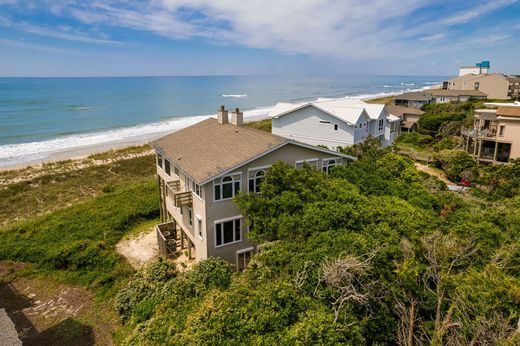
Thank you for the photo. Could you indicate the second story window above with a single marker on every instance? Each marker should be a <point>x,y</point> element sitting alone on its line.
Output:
<point>167,167</point>
<point>255,179</point>
<point>328,164</point>
<point>226,187</point>
<point>336,127</point>
<point>197,189</point>
<point>190,216</point>
<point>159,160</point>
<point>501,130</point>
<point>176,171</point>
<point>227,232</point>
<point>381,125</point>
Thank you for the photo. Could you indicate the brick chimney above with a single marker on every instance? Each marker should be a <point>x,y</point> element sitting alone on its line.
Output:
<point>237,117</point>
<point>222,115</point>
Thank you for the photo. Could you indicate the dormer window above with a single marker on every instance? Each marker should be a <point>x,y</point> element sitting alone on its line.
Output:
<point>226,187</point>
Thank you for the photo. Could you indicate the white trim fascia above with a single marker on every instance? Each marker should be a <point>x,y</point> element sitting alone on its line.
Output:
<point>258,168</point>
<point>321,109</point>
<point>290,137</point>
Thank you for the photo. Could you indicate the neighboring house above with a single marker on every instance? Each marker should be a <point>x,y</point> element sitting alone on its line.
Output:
<point>495,86</point>
<point>479,68</point>
<point>408,116</point>
<point>413,99</point>
<point>514,87</point>
<point>334,122</point>
<point>495,135</point>
<point>444,96</point>
<point>202,167</point>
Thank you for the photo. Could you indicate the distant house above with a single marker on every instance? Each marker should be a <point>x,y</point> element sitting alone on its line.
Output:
<point>479,68</point>
<point>514,87</point>
<point>413,99</point>
<point>202,167</point>
<point>408,116</point>
<point>334,122</point>
<point>495,134</point>
<point>444,96</point>
<point>495,86</point>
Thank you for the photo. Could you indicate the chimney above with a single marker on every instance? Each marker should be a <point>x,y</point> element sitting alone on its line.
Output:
<point>237,117</point>
<point>222,115</point>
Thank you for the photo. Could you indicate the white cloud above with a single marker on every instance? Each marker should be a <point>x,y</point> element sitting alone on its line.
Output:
<point>357,29</point>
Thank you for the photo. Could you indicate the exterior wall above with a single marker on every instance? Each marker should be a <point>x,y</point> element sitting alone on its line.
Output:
<point>219,210</point>
<point>411,117</point>
<point>392,130</point>
<point>410,103</point>
<point>304,125</point>
<point>469,70</point>
<point>374,125</point>
<point>495,86</point>
<point>511,135</point>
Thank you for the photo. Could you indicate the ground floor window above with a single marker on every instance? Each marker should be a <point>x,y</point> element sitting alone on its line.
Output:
<point>227,232</point>
<point>243,258</point>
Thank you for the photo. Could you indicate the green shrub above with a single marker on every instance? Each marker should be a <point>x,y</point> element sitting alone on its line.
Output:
<point>457,164</point>
<point>414,139</point>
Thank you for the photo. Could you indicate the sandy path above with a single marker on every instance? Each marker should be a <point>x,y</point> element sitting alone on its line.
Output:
<point>427,169</point>
<point>139,250</point>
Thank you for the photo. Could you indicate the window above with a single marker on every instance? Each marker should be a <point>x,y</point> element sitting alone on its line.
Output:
<point>381,124</point>
<point>227,232</point>
<point>255,179</point>
<point>311,162</point>
<point>159,160</point>
<point>336,127</point>
<point>167,167</point>
<point>199,224</point>
<point>187,183</point>
<point>501,130</point>
<point>328,164</point>
<point>190,216</point>
<point>243,258</point>
<point>197,189</point>
<point>176,171</point>
<point>226,187</point>
<point>392,127</point>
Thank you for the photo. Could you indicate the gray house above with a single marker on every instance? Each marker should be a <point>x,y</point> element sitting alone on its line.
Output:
<point>201,168</point>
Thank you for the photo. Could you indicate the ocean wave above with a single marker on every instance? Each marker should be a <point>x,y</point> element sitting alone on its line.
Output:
<point>234,95</point>
<point>23,153</point>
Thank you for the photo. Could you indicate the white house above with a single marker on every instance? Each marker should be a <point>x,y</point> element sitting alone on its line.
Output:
<point>334,122</point>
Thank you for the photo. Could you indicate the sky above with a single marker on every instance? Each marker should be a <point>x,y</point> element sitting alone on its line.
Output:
<point>256,37</point>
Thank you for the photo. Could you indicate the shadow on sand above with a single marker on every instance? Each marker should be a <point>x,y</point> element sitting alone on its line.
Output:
<point>67,332</point>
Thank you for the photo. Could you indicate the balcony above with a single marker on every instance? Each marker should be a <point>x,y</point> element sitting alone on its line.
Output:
<point>167,238</point>
<point>482,133</point>
<point>183,199</point>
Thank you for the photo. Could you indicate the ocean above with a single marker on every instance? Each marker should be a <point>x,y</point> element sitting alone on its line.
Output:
<point>42,116</point>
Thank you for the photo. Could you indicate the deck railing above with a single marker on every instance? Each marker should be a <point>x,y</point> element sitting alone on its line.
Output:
<point>166,238</point>
<point>183,199</point>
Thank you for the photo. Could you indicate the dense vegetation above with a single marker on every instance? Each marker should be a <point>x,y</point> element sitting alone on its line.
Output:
<point>374,253</point>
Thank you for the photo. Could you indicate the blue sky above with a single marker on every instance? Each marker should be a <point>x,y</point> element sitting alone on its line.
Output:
<point>203,37</point>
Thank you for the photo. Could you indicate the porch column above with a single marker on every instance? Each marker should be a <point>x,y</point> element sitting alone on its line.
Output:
<point>467,143</point>
<point>189,248</point>
<point>479,148</point>
<point>496,151</point>
<point>182,239</point>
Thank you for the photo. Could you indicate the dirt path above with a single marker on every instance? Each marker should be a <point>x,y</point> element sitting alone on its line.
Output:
<point>141,249</point>
<point>47,313</point>
<point>427,169</point>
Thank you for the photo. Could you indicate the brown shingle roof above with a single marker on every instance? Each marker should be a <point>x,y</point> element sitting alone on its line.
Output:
<point>443,92</point>
<point>207,149</point>
<point>414,96</point>
<point>508,111</point>
<point>400,110</point>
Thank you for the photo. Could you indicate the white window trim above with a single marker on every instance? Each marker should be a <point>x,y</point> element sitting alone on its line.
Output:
<point>233,218</point>
<point>329,159</point>
<point>199,222</point>
<point>222,177</point>
<point>309,161</point>
<point>253,177</point>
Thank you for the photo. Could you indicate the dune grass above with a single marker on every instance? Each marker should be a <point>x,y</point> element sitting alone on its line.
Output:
<point>57,188</point>
<point>262,125</point>
<point>76,244</point>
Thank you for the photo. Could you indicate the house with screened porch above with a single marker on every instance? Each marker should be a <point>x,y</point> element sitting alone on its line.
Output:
<point>199,171</point>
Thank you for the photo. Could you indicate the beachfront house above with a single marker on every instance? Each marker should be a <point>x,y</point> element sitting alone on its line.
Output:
<point>334,123</point>
<point>413,99</point>
<point>495,86</point>
<point>495,134</point>
<point>445,96</point>
<point>202,167</point>
<point>409,116</point>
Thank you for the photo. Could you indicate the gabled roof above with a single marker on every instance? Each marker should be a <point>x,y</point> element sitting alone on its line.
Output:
<point>209,149</point>
<point>349,115</point>
<point>401,110</point>
<point>414,96</point>
<point>346,109</point>
<point>444,92</point>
